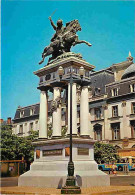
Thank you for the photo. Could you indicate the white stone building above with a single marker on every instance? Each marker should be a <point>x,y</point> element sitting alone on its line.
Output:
<point>111,108</point>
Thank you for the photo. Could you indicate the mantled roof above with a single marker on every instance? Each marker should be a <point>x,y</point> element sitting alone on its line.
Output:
<point>129,72</point>
<point>99,79</point>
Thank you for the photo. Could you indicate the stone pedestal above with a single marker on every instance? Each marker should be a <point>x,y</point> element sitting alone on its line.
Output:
<point>50,165</point>
<point>50,169</point>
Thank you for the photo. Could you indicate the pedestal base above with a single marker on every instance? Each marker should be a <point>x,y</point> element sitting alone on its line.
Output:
<point>70,187</point>
<point>51,169</point>
<point>71,190</point>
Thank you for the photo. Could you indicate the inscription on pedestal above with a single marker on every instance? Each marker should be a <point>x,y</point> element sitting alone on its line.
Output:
<point>56,152</point>
<point>37,154</point>
<point>67,151</point>
<point>83,151</point>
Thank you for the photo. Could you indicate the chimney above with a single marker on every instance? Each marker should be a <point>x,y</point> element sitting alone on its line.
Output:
<point>1,121</point>
<point>9,120</point>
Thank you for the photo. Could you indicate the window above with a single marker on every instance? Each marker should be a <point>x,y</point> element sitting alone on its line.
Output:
<point>115,131</point>
<point>21,113</point>
<point>69,70</point>
<point>133,160</point>
<point>87,73</point>
<point>114,111</point>
<point>98,132</point>
<point>41,79</point>
<point>21,129</point>
<point>133,108</point>
<point>115,92</point>
<point>36,125</point>
<point>53,75</point>
<point>32,110</point>
<point>133,131</point>
<point>74,70</point>
<point>97,113</point>
<point>97,91</point>
<point>98,135</point>
<point>132,87</point>
<point>63,116</point>
<point>48,77</point>
<point>31,126</point>
<point>78,114</point>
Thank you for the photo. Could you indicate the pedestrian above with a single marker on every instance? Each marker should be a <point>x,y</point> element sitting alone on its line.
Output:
<point>114,167</point>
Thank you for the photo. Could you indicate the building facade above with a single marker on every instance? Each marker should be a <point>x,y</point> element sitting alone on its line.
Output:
<point>111,108</point>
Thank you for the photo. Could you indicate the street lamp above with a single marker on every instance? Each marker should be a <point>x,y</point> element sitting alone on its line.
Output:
<point>70,187</point>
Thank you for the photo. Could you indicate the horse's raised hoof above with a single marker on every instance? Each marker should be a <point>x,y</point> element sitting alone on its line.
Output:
<point>73,44</point>
<point>41,61</point>
<point>89,44</point>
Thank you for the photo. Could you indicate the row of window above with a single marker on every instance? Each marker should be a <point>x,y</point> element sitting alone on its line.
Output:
<point>115,110</point>
<point>115,91</point>
<point>21,127</point>
<point>115,132</point>
<point>98,111</point>
<point>32,112</point>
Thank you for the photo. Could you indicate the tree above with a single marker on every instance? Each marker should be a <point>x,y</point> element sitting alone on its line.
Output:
<point>49,130</point>
<point>14,147</point>
<point>105,153</point>
<point>8,143</point>
<point>63,131</point>
<point>25,147</point>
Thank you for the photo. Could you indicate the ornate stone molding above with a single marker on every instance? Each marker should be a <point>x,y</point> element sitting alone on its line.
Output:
<point>55,104</point>
<point>66,55</point>
<point>105,106</point>
<point>124,103</point>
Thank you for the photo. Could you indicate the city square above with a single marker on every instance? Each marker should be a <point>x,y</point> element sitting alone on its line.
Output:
<point>80,137</point>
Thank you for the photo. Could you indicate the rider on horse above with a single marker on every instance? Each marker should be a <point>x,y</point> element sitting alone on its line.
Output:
<point>63,39</point>
<point>59,31</point>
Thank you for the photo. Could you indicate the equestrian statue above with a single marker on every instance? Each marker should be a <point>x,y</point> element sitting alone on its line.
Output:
<point>63,39</point>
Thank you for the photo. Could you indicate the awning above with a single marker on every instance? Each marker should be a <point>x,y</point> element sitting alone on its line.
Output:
<point>97,104</point>
<point>132,122</point>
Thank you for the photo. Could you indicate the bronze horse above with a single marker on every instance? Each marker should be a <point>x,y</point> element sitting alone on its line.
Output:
<point>69,39</point>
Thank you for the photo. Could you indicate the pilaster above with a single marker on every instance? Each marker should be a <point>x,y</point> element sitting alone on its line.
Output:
<point>84,112</point>
<point>43,115</point>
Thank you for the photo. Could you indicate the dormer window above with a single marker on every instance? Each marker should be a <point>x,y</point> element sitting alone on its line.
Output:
<point>132,88</point>
<point>97,91</point>
<point>21,113</point>
<point>32,110</point>
<point>115,92</point>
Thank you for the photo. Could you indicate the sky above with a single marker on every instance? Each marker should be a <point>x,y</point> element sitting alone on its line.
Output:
<point>25,30</point>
